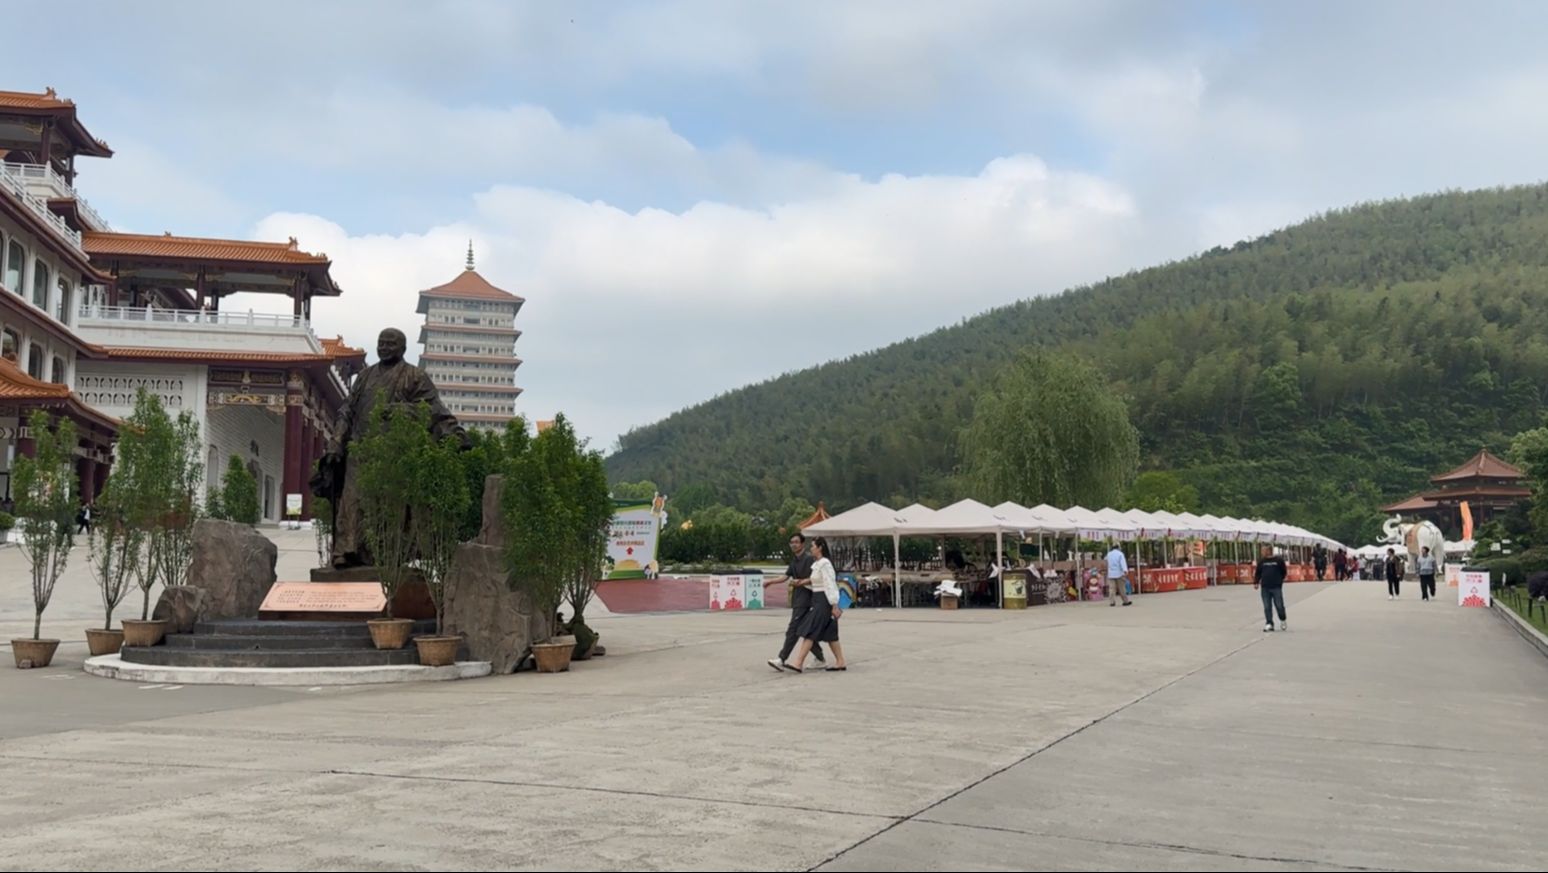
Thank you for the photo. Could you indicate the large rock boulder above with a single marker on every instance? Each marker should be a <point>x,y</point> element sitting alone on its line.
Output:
<point>492,531</point>
<point>181,607</point>
<point>498,623</point>
<point>234,564</point>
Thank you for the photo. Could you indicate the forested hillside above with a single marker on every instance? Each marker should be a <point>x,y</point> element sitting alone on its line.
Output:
<point>1310,375</point>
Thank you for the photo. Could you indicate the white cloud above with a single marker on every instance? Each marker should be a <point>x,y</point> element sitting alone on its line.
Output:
<point>717,295</point>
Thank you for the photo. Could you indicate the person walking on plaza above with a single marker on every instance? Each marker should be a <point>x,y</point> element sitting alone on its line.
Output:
<point>1269,579</point>
<point>798,579</point>
<point>1117,577</point>
<point>821,624</point>
<point>1320,561</point>
<point>1426,574</point>
<point>1394,575</point>
<point>1340,565</point>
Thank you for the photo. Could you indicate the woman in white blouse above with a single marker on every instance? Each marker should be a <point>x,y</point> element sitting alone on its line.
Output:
<point>821,622</point>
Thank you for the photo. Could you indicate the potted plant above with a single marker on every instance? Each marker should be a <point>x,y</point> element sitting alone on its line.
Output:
<point>557,511</point>
<point>113,546</point>
<point>387,484</point>
<point>158,460</point>
<point>45,489</point>
<point>7,524</point>
<point>440,499</point>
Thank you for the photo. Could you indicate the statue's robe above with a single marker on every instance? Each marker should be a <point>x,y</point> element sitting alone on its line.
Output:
<point>397,384</point>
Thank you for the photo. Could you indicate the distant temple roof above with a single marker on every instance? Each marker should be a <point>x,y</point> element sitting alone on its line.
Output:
<point>1412,504</point>
<point>1482,465</point>
<point>820,515</point>
<point>470,285</point>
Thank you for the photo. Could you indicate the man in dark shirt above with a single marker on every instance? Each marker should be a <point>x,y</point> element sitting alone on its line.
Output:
<point>1394,575</point>
<point>1269,579</point>
<point>798,576</point>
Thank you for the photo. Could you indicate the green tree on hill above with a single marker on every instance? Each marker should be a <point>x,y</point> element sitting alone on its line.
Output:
<point>1048,430</point>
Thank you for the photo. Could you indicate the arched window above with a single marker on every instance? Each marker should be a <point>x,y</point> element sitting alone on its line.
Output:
<point>40,284</point>
<point>35,361</point>
<point>62,306</point>
<point>10,345</point>
<point>15,262</point>
<point>58,374</point>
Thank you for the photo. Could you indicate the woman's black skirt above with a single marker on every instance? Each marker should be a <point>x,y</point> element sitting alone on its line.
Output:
<point>819,625</point>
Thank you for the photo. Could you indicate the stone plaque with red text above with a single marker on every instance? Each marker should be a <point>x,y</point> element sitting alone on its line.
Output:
<point>347,598</point>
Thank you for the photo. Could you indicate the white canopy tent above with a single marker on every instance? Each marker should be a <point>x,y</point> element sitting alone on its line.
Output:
<point>970,517</point>
<point>870,520</point>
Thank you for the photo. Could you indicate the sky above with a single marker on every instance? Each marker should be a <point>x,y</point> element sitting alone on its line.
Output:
<point>693,196</point>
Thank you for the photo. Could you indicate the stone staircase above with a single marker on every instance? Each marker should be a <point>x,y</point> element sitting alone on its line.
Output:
<point>240,643</point>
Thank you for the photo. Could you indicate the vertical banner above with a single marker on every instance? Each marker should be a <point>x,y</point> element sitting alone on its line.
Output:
<point>1474,590</point>
<point>632,539</point>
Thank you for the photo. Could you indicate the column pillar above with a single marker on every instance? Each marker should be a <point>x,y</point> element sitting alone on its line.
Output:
<point>86,471</point>
<point>99,482</point>
<point>309,440</point>
<point>293,476</point>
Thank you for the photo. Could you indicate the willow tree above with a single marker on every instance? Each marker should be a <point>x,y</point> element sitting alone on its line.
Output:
<point>1048,429</point>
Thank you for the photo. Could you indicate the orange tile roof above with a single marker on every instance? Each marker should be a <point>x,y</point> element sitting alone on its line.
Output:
<point>17,385</point>
<point>107,244</point>
<point>820,515</point>
<point>51,103</point>
<point>28,100</point>
<point>471,285</point>
<point>214,355</point>
<point>1482,465</point>
<point>336,348</point>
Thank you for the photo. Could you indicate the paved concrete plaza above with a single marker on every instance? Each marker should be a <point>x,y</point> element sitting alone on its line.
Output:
<point>1172,735</point>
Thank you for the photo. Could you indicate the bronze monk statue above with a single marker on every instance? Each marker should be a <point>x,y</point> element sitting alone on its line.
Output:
<point>391,380</point>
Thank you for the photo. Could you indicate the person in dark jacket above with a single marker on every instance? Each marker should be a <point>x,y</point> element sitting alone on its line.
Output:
<point>1269,579</point>
<point>1394,575</point>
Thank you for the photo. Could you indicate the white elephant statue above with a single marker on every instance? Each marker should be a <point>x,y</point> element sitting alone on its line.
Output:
<point>1414,537</point>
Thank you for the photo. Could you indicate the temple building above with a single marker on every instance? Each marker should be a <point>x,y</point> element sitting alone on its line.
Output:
<point>88,316</point>
<point>1488,485</point>
<point>468,340</point>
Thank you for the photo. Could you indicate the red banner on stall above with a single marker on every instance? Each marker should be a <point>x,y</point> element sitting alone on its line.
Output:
<point>1174,579</point>
<point>1233,574</point>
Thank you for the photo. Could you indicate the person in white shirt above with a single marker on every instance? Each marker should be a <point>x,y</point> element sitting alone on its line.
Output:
<point>1426,574</point>
<point>1117,577</point>
<point>821,622</point>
